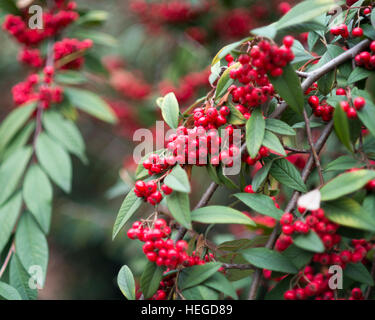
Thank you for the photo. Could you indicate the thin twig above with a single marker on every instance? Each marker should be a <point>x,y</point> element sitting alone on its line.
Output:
<point>7,259</point>
<point>302,74</point>
<point>296,150</point>
<point>313,151</point>
<point>238,266</point>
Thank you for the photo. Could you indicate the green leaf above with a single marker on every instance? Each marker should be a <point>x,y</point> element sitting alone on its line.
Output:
<point>277,292</point>
<point>31,245</point>
<point>192,276</point>
<point>91,103</point>
<point>200,293</point>
<point>150,279</point>
<point>347,212</point>
<point>279,127</point>
<point>178,180</point>
<point>70,77</point>
<point>225,81</point>
<point>55,161</point>
<point>358,74</point>
<point>304,12</point>
<point>269,31</point>
<point>8,292</point>
<point>129,206</point>
<point>225,50</point>
<point>170,110</point>
<point>255,128</point>
<point>298,256</point>
<point>11,171</point>
<point>8,218</point>
<point>260,203</point>
<point>341,124</point>
<point>235,116</point>
<point>126,283</point>
<point>289,88</point>
<point>268,259</point>
<point>37,193</point>
<point>261,176</point>
<point>179,206</point>
<point>14,122</point>
<point>342,163</point>
<point>286,173</point>
<point>9,6</point>
<point>358,272</point>
<point>66,132</point>
<point>309,242</point>
<point>220,283</point>
<point>220,215</point>
<point>346,183</point>
<point>20,279</point>
<point>272,142</point>
<point>301,55</point>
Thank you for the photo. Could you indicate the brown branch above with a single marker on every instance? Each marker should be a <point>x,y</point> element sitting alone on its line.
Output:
<point>238,266</point>
<point>7,259</point>
<point>311,143</point>
<point>291,205</point>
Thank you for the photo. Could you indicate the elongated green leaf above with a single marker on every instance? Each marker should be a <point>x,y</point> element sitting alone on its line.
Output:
<point>260,203</point>
<point>14,122</point>
<point>150,279</point>
<point>286,173</point>
<point>91,103</point>
<point>200,292</point>
<point>220,215</point>
<point>358,272</point>
<point>235,116</point>
<point>271,141</point>
<point>358,74</point>
<point>31,246</point>
<point>70,77</point>
<point>8,217</point>
<point>55,161</point>
<point>192,276</point>
<point>220,283</point>
<point>347,212</point>
<point>225,81</point>
<point>128,208</point>
<point>261,176</point>
<point>280,127</point>
<point>66,133</point>
<point>179,206</point>
<point>289,88</point>
<point>268,259</point>
<point>170,110</point>
<point>21,280</point>
<point>346,183</point>
<point>341,124</point>
<point>11,171</point>
<point>178,180</point>
<point>8,292</point>
<point>298,256</point>
<point>309,242</point>
<point>342,163</point>
<point>255,128</point>
<point>37,193</point>
<point>126,283</point>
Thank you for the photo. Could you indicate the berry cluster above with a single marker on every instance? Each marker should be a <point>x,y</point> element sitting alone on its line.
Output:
<point>67,47</point>
<point>263,152</point>
<point>31,57</point>
<point>366,59</point>
<point>29,90</point>
<point>54,22</point>
<point>211,118</point>
<point>263,59</point>
<point>149,191</point>
<point>323,110</point>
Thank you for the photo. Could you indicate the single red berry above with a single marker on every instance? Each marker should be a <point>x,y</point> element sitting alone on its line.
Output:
<point>340,92</point>
<point>288,229</point>
<point>351,113</point>
<point>288,41</point>
<point>290,295</point>
<point>249,189</point>
<point>160,223</point>
<point>357,32</point>
<point>167,190</point>
<point>286,219</point>
<point>359,103</point>
<point>313,101</point>
<point>367,11</point>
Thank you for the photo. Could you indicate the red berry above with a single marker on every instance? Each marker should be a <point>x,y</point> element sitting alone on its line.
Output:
<point>340,92</point>
<point>372,46</point>
<point>167,190</point>
<point>290,295</point>
<point>286,219</point>
<point>288,41</point>
<point>359,103</point>
<point>160,223</point>
<point>288,229</point>
<point>132,233</point>
<point>313,101</point>
<point>249,189</point>
<point>351,113</point>
<point>357,32</point>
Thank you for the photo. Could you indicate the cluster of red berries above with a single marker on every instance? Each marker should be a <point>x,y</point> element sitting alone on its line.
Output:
<point>194,146</point>
<point>188,85</point>
<point>366,10</point>
<point>263,152</point>
<point>149,191</point>
<point>67,47</point>
<point>29,90</point>
<point>54,22</point>
<point>211,118</point>
<point>264,58</point>
<point>323,110</point>
<point>366,59</point>
<point>129,84</point>
<point>351,111</point>
<point>31,57</point>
